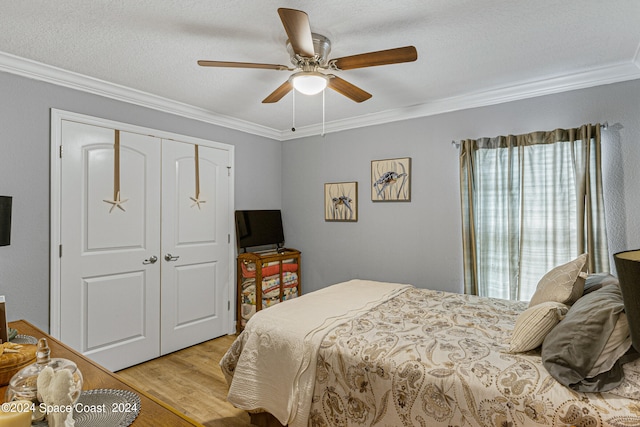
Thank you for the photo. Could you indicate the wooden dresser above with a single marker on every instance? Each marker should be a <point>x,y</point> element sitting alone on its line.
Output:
<point>153,412</point>
<point>264,279</point>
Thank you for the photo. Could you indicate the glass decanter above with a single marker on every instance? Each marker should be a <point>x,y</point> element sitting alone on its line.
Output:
<point>23,385</point>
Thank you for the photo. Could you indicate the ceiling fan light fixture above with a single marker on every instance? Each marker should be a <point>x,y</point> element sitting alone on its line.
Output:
<point>309,53</point>
<point>309,82</point>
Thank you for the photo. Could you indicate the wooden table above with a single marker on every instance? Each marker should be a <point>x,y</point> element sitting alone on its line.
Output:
<point>153,412</point>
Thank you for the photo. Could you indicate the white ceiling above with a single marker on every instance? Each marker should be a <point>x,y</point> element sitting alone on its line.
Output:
<point>470,53</point>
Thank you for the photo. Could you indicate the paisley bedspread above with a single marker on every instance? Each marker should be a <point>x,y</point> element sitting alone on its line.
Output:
<point>271,366</point>
<point>429,358</point>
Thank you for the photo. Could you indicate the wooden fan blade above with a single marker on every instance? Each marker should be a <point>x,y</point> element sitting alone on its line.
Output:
<point>296,24</point>
<point>381,57</point>
<point>242,65</point>
<point>277,94</point>
<point>347,89</point>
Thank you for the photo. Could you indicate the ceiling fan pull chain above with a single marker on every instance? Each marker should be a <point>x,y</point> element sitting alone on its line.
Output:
<point>323,109</point>
<point>293,125</point>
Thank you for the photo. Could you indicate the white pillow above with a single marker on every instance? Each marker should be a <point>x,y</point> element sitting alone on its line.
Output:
<point>617,345</point>
<point>564,283</point>
<point>533,324</point>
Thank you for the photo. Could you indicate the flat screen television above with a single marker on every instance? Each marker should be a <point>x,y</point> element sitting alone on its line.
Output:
<point>259,228</point>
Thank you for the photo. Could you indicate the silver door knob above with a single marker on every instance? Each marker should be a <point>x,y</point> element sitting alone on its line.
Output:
<point>150,260</point>
<point>169,257</point>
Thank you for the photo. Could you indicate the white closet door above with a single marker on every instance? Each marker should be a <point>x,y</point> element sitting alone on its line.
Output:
<point>109,295</point>
<point>195,244</point>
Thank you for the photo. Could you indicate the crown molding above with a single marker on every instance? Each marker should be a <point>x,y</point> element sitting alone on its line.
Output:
<point>58,76</point>
<point>589,78</point>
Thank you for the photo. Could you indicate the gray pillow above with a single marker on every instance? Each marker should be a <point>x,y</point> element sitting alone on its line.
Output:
<point>573,347</point>
<point>597,280</point>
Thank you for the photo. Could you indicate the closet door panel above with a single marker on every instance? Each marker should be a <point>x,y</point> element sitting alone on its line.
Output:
<point>193,292</point>
<point>126,315</point>
<point>195,244</point>
<point>107,228</point>
<point>109,294</point>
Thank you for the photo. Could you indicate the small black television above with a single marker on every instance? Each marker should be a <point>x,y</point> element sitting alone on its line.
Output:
<point>259,228</point>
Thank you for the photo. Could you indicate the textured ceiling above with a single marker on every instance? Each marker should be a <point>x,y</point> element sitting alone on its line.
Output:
<point>470,53</point>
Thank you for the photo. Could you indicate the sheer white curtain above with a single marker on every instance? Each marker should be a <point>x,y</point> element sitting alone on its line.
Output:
<point>530,202</point>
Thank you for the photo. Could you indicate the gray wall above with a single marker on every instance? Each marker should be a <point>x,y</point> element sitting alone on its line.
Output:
<point>24,174</point>
<point>417,242</point>
<point>420,242</point>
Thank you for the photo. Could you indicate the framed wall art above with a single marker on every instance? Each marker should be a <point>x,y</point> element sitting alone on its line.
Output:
<point>341,201</point>
<point>391,180</point>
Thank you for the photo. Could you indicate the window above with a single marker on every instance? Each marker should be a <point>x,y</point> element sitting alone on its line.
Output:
<point>529,203</point>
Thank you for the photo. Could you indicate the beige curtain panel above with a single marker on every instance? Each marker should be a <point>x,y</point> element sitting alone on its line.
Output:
<point>530,202</point>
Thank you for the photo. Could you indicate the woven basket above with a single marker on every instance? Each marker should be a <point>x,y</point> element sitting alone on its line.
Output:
<point>11,363</point>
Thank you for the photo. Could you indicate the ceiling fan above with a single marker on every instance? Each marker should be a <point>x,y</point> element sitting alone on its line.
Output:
<point>309,54</point>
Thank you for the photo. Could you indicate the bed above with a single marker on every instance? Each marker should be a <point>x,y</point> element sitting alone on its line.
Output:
<point>363,353</point>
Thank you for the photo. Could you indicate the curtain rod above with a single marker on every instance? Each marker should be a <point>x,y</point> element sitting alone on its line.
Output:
<point>604,126</point>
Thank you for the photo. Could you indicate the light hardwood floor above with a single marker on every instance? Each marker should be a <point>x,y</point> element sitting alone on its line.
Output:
<point>191,381</point>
